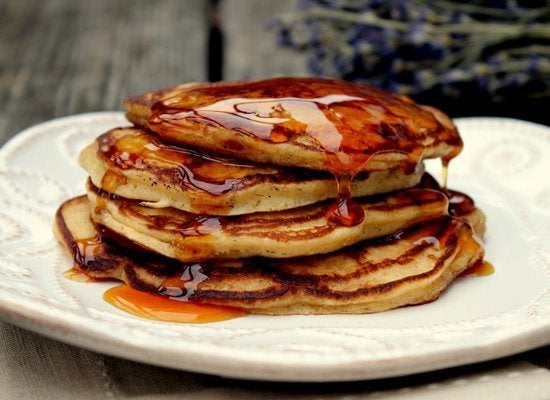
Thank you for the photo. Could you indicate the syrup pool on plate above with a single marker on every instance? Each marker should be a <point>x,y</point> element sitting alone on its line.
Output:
<point>162,308</point>
<point>480,268</point>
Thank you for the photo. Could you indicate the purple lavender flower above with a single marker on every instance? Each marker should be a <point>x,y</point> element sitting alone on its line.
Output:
<point>419,45</point>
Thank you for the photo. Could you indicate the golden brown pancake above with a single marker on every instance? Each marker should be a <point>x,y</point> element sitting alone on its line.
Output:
<point>314,123</point>
<point>136,164</point>
<point>301,231</point>
<point>223,194</point>
<point>409,267</point>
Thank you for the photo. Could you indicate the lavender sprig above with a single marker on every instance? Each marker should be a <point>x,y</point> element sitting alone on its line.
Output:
<point>418,45</point>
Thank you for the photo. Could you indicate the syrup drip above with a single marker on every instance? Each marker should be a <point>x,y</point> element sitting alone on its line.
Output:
<point>347,123</point>
<point>87,250</point>
<point>480,268</point>
<point>459,203</point>
<point>153,306</point>
<point>344,210</point>
<point>161,308</point>
<point>445,166</point>
<point>189,168</point>
<point>444,173</point>
<point>110,182</point>
<point>183,287</point>
<point>202,226</point>
<point>197,225</point>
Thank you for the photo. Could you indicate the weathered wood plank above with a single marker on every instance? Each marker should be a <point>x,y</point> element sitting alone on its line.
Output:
<point>61,57</point>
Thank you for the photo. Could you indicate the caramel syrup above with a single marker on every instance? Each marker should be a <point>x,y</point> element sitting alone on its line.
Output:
<point>345,211</point>
<point>348,123</point>
<point>445,166</point>
<point>480,268</point>
<point>161,308</point>
<point>202,225</point>
<point>459,202</point>
<point>141,150</point>
<point>111,180</point>
<point>85,251</point>
<point>444,173</point>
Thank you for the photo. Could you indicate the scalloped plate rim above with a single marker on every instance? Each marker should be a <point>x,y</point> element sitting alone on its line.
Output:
<point>72,328</point>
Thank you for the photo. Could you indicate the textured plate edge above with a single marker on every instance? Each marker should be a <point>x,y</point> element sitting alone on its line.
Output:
<point>271,370</point>
<point>231,364</point>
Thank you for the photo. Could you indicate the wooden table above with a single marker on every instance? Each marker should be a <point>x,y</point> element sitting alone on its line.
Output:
<point>63,57</point>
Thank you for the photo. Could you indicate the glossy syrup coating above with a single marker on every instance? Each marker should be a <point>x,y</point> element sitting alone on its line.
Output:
<point>345,123</point>
<point>340,127</point>
<point>459,203</point>
<point>188,168</point>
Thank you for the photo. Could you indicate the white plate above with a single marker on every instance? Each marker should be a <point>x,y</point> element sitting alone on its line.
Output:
<point>505,167</point>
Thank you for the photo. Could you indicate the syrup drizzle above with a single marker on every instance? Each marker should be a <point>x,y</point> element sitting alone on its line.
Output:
<point>459,202</point>
<point>445,166</point>
<point>86,251</point>
<point>111,180</point>
<point>189,168</point>
<point>181,288</point>
<point>444,173</point>
<point>202,225</point>
<point>344,210</point>
<point>348,123</point>
<point>90,251</point>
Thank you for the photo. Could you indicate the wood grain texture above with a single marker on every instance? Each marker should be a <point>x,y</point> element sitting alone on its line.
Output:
<point>61,57</point>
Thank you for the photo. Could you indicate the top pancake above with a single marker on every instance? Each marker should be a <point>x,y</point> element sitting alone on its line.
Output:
<point>315,123</point>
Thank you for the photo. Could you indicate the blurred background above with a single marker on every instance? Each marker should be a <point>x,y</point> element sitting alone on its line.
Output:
<point>61,57</point>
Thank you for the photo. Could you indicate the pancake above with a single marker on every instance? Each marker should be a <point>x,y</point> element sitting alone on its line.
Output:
<point>301,231</point>
<point>136,164</point>
<point>314,123</point>
<point>224,193</point>
<point>410,267</point>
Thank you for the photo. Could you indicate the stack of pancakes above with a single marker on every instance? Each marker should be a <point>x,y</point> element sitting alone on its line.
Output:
<point>281,196</point>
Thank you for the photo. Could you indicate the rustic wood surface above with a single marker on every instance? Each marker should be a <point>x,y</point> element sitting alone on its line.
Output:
<point>62,57</point>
